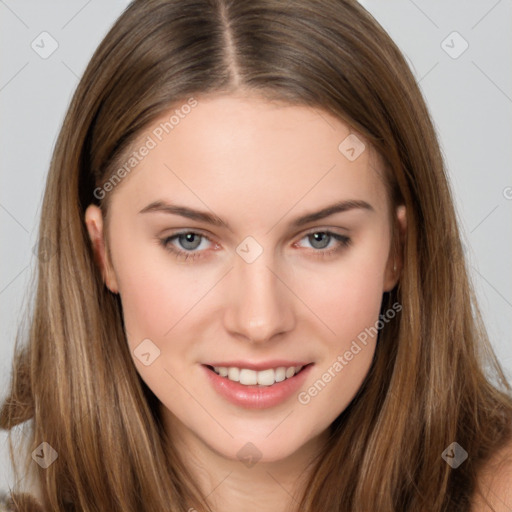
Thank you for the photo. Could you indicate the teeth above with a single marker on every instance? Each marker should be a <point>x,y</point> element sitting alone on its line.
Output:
<point>251,377</point>
<point>234,374</point>
<point>290,372</point>
<point>280,374</point>
<point>266,377</point>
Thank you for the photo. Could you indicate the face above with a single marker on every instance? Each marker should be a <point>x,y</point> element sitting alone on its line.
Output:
<point>224,265</point>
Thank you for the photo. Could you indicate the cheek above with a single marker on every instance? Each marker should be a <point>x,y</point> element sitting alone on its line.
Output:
<point>147,304</point>
<point>161,313</point>
<point>350,308</point>
<point>345,297</point>
<point>155,291</point>
<point>348,300</point>
<point>147,298</point>
<point>156,299</point>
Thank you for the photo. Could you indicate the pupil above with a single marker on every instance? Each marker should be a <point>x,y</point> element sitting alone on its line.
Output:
<point>188,240</point>
<point>322,238</point>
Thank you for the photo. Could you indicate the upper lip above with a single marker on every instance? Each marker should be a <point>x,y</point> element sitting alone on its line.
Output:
<point>265,365</point>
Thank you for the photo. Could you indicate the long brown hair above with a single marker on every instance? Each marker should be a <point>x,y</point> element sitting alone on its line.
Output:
<point>434,379</point>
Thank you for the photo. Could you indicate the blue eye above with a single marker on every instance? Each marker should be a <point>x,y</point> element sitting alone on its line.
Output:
<point>321,239</point>
<point>190,241</point>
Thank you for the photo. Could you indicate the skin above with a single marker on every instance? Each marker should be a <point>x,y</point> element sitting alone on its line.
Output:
<point>494,488</point>
<point>258,165</point>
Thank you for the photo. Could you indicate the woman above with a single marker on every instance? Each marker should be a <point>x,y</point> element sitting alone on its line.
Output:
<point>255,297</point>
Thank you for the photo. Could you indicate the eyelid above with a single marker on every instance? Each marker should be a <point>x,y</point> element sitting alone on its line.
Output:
<point>324,229</point>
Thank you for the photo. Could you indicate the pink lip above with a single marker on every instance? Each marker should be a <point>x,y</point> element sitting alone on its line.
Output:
<point>256,397</point>
<point>275,363</point>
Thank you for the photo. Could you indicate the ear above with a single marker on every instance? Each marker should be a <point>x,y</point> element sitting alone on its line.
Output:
<point>94,223</point>
<point>395,262</point>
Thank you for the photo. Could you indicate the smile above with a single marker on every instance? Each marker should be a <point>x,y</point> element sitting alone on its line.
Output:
<point>266,385</point>
<point>248,377</point>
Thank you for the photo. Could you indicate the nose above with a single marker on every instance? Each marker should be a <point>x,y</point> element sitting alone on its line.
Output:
<point>260,303</point>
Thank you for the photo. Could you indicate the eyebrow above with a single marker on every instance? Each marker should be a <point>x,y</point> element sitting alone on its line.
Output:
<point>210,218</point>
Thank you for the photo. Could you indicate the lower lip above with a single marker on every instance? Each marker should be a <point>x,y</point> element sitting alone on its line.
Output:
<point>256,397</point>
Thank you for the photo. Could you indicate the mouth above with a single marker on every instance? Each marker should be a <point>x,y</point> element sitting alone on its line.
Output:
<point>263,386</point>
<point>257,378</point>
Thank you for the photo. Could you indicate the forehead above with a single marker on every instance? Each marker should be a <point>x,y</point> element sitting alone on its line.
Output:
<point>250,151</point>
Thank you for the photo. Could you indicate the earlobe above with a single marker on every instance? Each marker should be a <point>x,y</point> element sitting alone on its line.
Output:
<point>94,224</point>
<point>395,261</point>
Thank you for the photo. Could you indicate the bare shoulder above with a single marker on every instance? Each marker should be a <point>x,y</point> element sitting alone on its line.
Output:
<point>494,485</point>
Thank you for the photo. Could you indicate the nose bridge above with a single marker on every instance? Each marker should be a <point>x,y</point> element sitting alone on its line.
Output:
<point>260,306</point>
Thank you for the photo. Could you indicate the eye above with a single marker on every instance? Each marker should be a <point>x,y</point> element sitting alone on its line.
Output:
<point>319,240</point>
<point>189,240</point>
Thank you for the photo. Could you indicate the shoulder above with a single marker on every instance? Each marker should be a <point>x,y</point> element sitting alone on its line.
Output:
<point>494,483</point>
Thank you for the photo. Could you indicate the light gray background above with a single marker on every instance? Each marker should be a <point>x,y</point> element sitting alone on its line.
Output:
<point>470,98</point>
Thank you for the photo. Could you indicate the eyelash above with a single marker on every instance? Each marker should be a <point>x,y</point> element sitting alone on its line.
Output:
<point>343,242</point>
